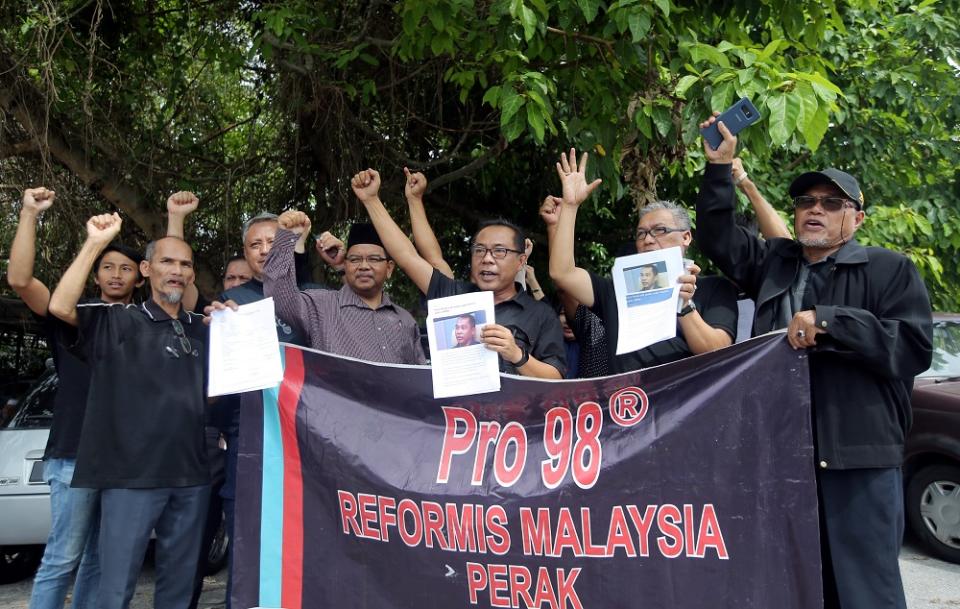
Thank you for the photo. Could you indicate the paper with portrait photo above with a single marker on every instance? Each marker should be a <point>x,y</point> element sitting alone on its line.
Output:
<point>647,295</point>
<point>460,363</point>
<point>244,349</point>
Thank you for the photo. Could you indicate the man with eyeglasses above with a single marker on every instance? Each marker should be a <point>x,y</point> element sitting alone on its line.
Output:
<point>143,435</point>
<point>358,320</point>
<point>864,316</point>
<point>708,315</point>
<point>527,335</point>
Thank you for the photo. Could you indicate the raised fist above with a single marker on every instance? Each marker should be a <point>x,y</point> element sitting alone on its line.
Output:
<point>550,210</point>
<point>182,203</point>
<point>103,228</point>
<point>294,221</point>
<point>366,185</point>
<point>416,184</point>
<point>331,249</point>
<point>38,199</point>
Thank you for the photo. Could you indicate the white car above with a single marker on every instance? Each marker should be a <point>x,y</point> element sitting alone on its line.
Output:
<point>24,497</point>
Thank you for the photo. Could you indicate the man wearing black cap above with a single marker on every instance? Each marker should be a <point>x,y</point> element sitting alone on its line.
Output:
<point>358,320</point>
<point>864,315</point>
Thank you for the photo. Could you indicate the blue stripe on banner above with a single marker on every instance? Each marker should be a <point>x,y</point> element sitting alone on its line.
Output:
<point>271,513</point>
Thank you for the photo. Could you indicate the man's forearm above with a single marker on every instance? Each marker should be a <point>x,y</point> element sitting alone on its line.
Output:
<point>398,245</point>
<point>700,336</point>
<point>538,369</point>
<point>771,224</point>
<point>63,302</point>
<point>280,281</point>
<point>424,238</point>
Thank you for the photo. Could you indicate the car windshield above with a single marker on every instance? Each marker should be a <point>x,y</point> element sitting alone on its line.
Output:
<point>35,410</point>
<point>946,350</point>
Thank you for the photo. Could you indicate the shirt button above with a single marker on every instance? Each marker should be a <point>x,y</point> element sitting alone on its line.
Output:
<point>823,324</point>
<point>823,465</point>
<point>379,329</point>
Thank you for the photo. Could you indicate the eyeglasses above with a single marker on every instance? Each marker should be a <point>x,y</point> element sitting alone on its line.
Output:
<point>182,337</point>
<point>827,203</point>
<point>356,260</point>
<point>499,252</point>
<point>656,232</point>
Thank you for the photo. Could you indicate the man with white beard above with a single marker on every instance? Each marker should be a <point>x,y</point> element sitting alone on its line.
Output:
<point>143,438</point>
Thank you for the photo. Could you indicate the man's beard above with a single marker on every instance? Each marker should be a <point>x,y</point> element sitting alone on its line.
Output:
<point>172,297</point>
<point>817,243</point>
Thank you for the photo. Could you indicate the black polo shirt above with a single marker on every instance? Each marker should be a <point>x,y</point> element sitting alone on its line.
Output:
<point>144,426</point>
<point>716,300</point>
<point>70,401</point>
<point>538,325</point>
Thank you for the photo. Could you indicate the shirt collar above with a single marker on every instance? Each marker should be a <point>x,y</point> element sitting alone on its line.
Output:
<point>348,298</point>
<point>850,252</point>
<point>152,310</point>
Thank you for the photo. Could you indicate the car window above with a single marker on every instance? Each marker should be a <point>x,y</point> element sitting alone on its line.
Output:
<point>946,350</point>
<point>35,410</point>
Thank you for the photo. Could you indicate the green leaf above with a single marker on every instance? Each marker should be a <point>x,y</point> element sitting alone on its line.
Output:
<point>535,120</point>
<point>663,5</point>
<point>815,128</point>
<point>492,96</point>
<point>510,105</point>
<point>662,120</point>
<point>436,18</point>
<point>779,132</point>
<point>529,20</point>
<point>769,50</point>
<point>590,9</point>
<point>642,122</point>
<point>639,25</point>
<point>722,96</point>
<point>685,83</point>
<point>704,52</point>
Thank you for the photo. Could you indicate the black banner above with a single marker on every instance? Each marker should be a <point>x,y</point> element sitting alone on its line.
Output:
<point>685,485</point>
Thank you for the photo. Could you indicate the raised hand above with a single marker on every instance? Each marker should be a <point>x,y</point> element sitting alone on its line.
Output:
<point>688,283</point>
<point>103,228</point>
<point>550,210</point>
<point>728,148</point>
<point>182,203</point>
<point>366,185</point>
<point>294,221</point>
<point>573,176</point>
<point>416,184</point>
<point>38,199</point>
<point>331,249</point>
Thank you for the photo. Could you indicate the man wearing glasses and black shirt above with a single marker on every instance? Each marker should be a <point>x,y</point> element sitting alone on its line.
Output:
<point>707,319</point>
<point>527,335</point>
<point>143,440</point>
<point>863,315</point>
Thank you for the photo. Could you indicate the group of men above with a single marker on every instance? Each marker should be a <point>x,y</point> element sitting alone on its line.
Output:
<point>127,458</point>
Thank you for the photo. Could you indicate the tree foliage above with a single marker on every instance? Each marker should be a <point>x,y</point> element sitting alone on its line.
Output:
<point>266,105</point>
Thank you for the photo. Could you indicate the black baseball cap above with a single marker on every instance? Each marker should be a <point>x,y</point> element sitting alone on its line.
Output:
<point>842,180</point>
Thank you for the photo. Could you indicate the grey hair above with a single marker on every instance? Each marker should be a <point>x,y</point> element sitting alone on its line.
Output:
<point>680,215</point>
<point>152,247</point>
<point>261,217</point>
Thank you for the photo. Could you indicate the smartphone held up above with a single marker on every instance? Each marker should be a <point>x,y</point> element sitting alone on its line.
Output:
<point>737,117</point>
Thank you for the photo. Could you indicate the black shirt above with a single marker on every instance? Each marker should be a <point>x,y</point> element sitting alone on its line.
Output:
<point>70,401</point>
<point>144,426</point>
<point>716,300</point>
<point>529,318</point>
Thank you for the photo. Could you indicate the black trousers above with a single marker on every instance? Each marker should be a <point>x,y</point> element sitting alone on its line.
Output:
<point>861,529</point>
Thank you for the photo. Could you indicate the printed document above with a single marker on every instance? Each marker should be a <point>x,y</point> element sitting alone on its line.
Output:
<point>647,297</point>
<point>244,350</point>
<point>460,363</point>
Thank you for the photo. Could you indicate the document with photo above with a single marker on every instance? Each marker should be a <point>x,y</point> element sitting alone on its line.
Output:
<point>460,363</point>
<point>244,350</point>
<point>647,296</point>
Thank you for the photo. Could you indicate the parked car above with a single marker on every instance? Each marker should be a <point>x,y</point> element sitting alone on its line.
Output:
<point>932,466</point>
<point>25,498</point>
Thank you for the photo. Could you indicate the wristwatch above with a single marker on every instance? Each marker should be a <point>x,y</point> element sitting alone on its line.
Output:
<point>523,358</point>
<point>690,308</point>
